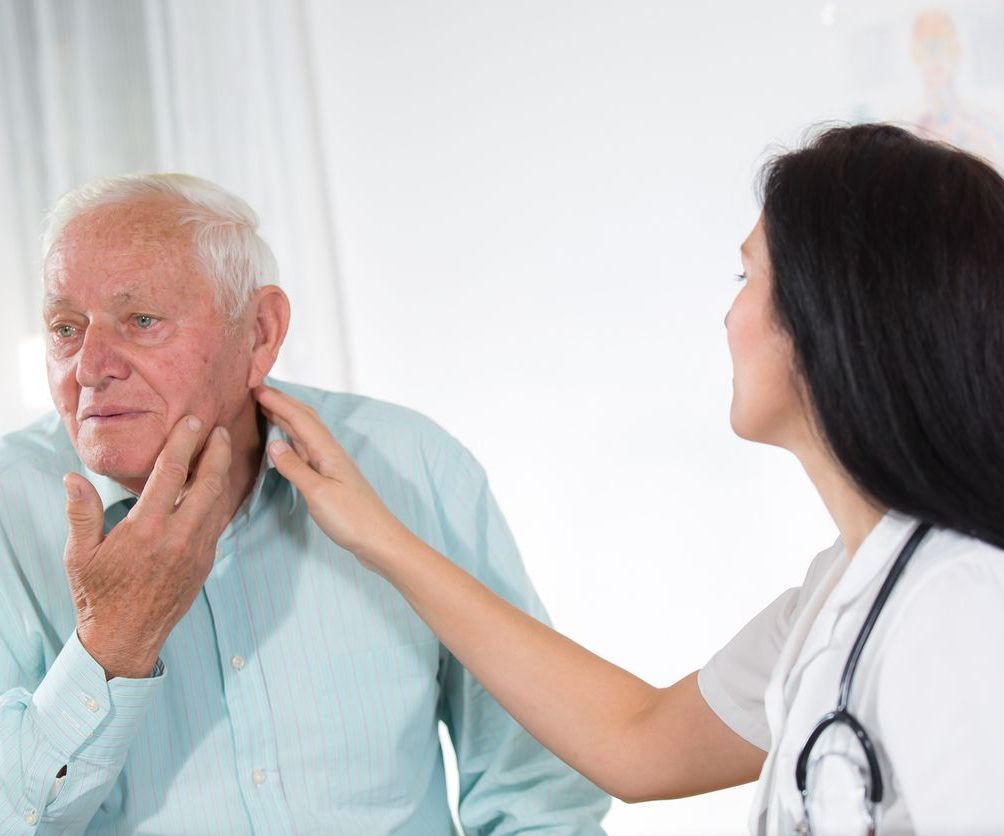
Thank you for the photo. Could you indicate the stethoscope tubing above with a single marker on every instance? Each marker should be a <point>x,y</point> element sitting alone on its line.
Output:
<point>840,714</point>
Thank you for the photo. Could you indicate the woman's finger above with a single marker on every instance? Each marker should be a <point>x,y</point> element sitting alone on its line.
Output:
<point>302,422</point>
<point>311,439</point>
<point>298,445</point>
<point>291,465</point>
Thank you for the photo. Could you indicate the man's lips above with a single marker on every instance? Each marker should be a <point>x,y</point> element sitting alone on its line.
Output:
<point>106,416</point>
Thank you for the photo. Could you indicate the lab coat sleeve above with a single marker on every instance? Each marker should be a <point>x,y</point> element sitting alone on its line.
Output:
<point>939,698</point>
<point>734,680</point>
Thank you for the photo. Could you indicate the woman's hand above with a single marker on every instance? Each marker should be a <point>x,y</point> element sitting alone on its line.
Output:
<point>339,498</point>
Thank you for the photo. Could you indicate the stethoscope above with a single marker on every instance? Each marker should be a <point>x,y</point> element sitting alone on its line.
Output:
<point>841,716</point>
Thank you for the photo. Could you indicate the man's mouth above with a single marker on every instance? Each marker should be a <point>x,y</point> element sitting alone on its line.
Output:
<point>112,418</point>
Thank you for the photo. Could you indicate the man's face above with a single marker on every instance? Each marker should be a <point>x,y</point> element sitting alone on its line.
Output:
<point>134,338</point>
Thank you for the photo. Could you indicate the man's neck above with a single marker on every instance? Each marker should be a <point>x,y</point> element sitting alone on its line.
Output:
<point>247,434</point>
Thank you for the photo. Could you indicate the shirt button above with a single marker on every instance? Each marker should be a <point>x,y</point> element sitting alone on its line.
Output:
<point>90,704</point>
<point>258,776</point>
<point>237,662</point>
<point>31,818</point>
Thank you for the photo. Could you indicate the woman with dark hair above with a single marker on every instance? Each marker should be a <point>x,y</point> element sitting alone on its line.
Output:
<point>868,340</point>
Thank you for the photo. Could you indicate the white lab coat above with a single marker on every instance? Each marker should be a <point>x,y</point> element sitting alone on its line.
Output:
<point>929,688</point>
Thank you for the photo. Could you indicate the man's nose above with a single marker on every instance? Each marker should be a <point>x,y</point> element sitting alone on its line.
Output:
<point>100,357</point>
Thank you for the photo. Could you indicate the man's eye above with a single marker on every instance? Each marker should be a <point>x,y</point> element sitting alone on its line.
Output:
<point>145,321</point>
<point>64,331</point>
<point>741,277</point>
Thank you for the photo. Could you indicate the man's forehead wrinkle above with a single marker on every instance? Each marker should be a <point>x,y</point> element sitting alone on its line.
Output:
<point>114,240</point>
<point>118,295</point>
<point>116,280</point>
<point>140,226</point>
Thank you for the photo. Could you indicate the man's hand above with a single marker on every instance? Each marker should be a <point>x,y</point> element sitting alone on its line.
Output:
<point>131,587</point>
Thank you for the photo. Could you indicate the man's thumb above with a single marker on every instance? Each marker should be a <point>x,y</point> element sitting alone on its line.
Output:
<point>83,512</point>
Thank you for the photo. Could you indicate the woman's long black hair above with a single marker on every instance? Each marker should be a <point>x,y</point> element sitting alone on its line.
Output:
<point>888,264</point>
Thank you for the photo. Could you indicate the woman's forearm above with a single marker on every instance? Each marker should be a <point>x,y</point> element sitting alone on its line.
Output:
<point>578,705</point>
<point>635,741</point>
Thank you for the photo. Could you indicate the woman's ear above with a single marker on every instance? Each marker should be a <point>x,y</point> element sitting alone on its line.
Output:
<point>270,308</point>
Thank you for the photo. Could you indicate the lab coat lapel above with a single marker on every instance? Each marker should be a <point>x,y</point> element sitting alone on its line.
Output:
<point>774,702</point>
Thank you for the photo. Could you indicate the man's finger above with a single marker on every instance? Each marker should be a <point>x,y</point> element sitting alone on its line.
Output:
<point>307,480</point>
<point>85,515</point>
<point>170,472</point>
<point>210,484</point>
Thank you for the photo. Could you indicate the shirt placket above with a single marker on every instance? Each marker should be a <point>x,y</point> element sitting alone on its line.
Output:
<point>246,696</point>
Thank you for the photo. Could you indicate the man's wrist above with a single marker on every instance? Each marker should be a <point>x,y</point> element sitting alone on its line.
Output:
<point>114,662</point>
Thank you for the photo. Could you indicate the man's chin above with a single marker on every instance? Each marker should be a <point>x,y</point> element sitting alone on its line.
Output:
<point>128,466</point>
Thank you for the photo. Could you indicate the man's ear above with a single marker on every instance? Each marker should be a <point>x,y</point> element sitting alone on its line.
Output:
<point>270,308</point>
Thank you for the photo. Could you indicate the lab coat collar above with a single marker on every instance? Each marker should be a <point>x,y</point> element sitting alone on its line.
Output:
<point>844,586</point>
<point>873,559</point>
<point>849,587</point>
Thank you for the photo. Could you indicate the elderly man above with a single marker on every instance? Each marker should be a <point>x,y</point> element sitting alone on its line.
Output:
<point>215,664</point>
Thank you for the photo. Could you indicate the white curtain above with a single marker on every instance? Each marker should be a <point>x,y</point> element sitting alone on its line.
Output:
<point>219,88</point>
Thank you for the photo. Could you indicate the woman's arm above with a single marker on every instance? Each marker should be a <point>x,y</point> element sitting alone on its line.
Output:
<point>635,741</point>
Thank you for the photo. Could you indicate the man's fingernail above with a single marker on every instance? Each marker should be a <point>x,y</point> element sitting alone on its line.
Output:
<point>224,434</point>
<point>72,489</point>
<point>194,424</point>
<point>277,448</point>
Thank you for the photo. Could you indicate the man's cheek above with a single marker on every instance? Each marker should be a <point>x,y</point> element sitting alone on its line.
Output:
<point>65,396</point>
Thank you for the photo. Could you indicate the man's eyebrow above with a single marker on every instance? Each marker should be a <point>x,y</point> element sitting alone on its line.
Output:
<point>53,300</point>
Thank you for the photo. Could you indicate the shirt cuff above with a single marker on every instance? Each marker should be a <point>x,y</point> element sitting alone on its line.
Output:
<point>85,716</point>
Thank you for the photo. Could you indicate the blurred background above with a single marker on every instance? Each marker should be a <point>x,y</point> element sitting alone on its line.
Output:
<point>521,218</point>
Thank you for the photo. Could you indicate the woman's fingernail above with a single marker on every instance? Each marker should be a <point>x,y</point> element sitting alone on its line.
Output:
<point>194,424</point>
<point>277,448</point>
<point>224,433</point>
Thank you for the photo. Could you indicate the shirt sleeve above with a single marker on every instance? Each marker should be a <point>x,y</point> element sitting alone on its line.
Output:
<point>939,698</point>
<point>509,783</point>
<point>734,680</point>
<point>75,719</point>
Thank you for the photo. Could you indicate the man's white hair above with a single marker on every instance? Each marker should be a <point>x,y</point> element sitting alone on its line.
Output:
<point>227,244</point>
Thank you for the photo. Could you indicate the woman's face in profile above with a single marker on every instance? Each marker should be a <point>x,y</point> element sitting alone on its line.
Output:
<point>765,404</point>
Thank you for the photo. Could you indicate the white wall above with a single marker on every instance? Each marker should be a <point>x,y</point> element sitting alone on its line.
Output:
<point>539,207</point>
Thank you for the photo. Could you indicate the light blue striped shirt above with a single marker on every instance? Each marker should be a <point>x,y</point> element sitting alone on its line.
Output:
<point>300,694</point>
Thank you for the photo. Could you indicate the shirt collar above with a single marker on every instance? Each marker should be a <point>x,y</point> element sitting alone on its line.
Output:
<point>110,491</point>
<point>272,433</point>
